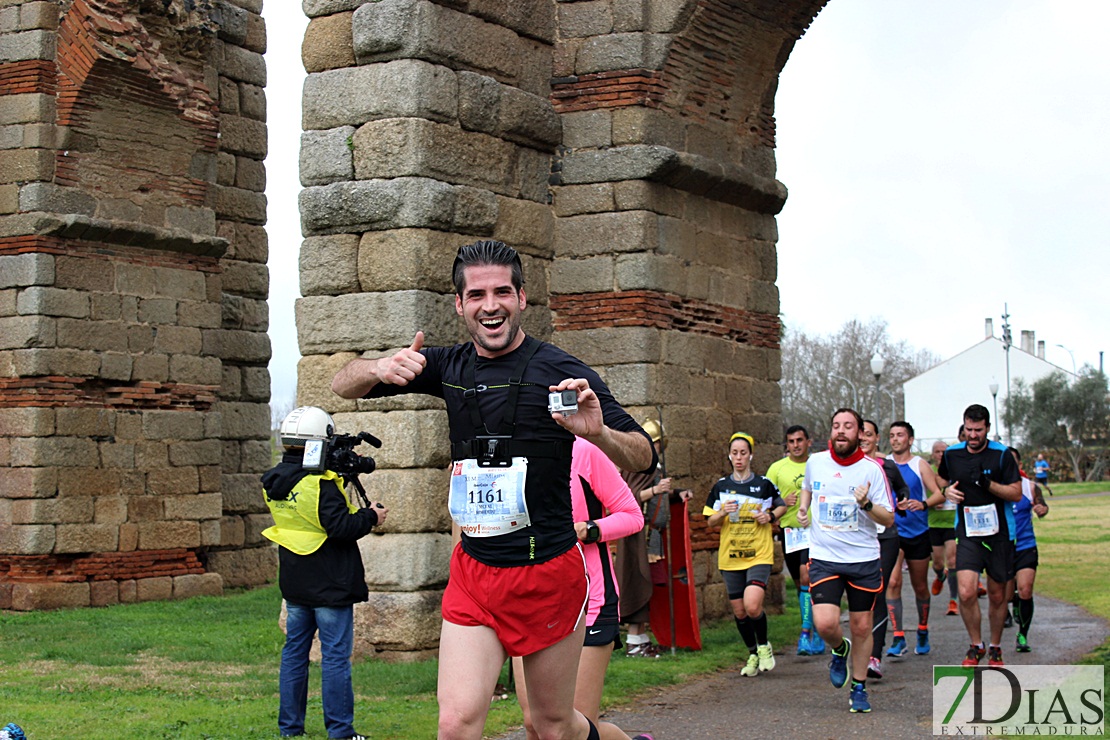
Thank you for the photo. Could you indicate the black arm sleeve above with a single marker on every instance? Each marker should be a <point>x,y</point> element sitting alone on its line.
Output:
<point>337,520</point>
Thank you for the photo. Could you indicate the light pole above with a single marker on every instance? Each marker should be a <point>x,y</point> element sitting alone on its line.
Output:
<point>855,394</point>
<point>1074,371</point>
<point>877,363</point>
<point>994,394</point>
<point>1007,342</point>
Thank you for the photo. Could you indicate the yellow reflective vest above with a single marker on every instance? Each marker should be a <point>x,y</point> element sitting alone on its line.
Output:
<point>297,517</point>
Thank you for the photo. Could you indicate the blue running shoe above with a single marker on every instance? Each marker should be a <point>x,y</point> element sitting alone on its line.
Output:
<point>922,643</point>
<point>858,701</point>
<point>816,644</point>
<point>898,647</point>
<point>838,666</point>
<point>803,644</point>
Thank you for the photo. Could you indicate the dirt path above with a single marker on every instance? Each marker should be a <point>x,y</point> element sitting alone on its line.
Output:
<point>797,700</point>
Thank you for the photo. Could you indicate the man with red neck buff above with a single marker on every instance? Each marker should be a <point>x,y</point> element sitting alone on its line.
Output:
<point>844,497</point>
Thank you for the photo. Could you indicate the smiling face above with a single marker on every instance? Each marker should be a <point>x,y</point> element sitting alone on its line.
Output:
<point>492,309</point>
<point>900,440</point>
<point>797,446</point>
<point>868,439</point>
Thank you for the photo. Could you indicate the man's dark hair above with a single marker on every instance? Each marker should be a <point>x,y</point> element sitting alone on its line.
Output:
<point>977,412</point>
<point>486,252</point>
<point>794,429</point>
<point>904,425</point>
<point>853,412</point>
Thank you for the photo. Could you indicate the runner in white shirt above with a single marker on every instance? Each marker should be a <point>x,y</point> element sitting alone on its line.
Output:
<point>845,495</point>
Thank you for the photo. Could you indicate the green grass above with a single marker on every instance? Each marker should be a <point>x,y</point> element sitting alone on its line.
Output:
<point>1073,544</point>
<point>1069,489</point>
<point>208,667</point>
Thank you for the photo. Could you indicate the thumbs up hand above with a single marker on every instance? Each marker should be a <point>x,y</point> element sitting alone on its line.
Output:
<point>405,365</point>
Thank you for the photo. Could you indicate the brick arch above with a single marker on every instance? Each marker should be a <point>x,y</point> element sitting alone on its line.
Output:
<point>138,124</point>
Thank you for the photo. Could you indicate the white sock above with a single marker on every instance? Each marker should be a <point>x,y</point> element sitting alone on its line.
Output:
<point>640,639</point>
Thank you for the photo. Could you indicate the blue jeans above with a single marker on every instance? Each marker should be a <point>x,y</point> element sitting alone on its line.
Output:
<point>336,627</point>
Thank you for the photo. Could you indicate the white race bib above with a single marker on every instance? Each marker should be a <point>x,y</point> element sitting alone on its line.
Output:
<point>837,513</point>
<point>981,521</point>
<point>795,538</point>
<point>489,501</point>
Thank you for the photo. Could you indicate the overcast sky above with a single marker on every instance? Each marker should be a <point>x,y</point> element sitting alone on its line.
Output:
<point>943,158</point>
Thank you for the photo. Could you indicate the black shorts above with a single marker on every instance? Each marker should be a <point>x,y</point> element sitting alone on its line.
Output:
<point>939,535</point>
<point>736,581</point>
<point>993,554</point>
<point>1026,559</point>
<point>916,548</point>
<point>600,635</point>
<point>794,562</point>
<point>863,581</point>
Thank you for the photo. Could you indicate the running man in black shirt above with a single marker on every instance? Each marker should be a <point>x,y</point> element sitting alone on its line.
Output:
<point>983,480</point>
<point>518,583</point>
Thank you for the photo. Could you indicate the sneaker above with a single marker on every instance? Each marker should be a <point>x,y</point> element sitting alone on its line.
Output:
<point>1009,621</point>
<point>752,668</point>
<point>857,702</point>
<point>953,609</point>
<point>642,650</point>
<point>816,644</point>
<point>922,643</point>
<point>974,655</point>
<point>874,668</point>
<point>766,657</point>
<point>838,666</point>
<point>1023,643</point>
<point>644,736</point>
<point>898,647</point>
<point>803,644</point>
<point>938,584</point>
<point>982,590</point>
<point>356,736</point>
<point>994,656</point>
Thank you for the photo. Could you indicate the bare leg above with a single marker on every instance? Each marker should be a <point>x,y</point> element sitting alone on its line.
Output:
<point>551,675</point>
<point>860,625</point>
<point>826,620</point>
<point>996,595</point>
<point>591,683</point>
<point>969,605</point>
<point>470,660</point>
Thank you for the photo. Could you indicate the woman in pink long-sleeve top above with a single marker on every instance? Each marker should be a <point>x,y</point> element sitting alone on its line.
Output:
<point>604,509</point>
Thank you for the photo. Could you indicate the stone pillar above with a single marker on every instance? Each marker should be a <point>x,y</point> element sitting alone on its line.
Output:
<point>425,128</point>
<point>125,265</point>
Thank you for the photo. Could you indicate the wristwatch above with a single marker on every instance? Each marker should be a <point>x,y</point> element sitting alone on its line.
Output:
<point>593,532</point>
<point>868,506</point>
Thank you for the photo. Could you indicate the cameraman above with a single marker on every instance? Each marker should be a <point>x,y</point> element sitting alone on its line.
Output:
<point>320,572</point>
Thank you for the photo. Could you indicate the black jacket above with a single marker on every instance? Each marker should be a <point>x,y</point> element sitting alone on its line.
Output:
<point>333,575</point>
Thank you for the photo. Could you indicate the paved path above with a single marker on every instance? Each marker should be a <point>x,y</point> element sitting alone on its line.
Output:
<point>796,699</point>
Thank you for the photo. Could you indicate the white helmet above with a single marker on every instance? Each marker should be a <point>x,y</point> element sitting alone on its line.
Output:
<point>304,423</point>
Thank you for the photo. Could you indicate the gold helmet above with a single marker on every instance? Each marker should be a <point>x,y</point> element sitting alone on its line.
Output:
<point>654,430</point>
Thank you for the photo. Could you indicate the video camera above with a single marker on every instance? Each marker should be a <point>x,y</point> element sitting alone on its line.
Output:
<point>337,454</point>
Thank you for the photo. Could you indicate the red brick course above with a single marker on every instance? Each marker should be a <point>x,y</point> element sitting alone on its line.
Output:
<point>667,311</point>
<point>615,89</point>
<point>32,76</point>
<point>102,566</point>
<point>55,391</point>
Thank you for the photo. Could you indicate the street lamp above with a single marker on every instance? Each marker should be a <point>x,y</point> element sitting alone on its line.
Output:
<point>877,364</point>
<point>1074,371</point>
<point>855,394</point>
<point>994,394</point>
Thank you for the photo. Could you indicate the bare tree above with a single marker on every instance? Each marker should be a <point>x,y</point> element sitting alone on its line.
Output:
<point>823,373</point>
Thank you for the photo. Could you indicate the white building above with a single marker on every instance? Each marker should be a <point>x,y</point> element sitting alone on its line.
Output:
<point>935,400</point>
